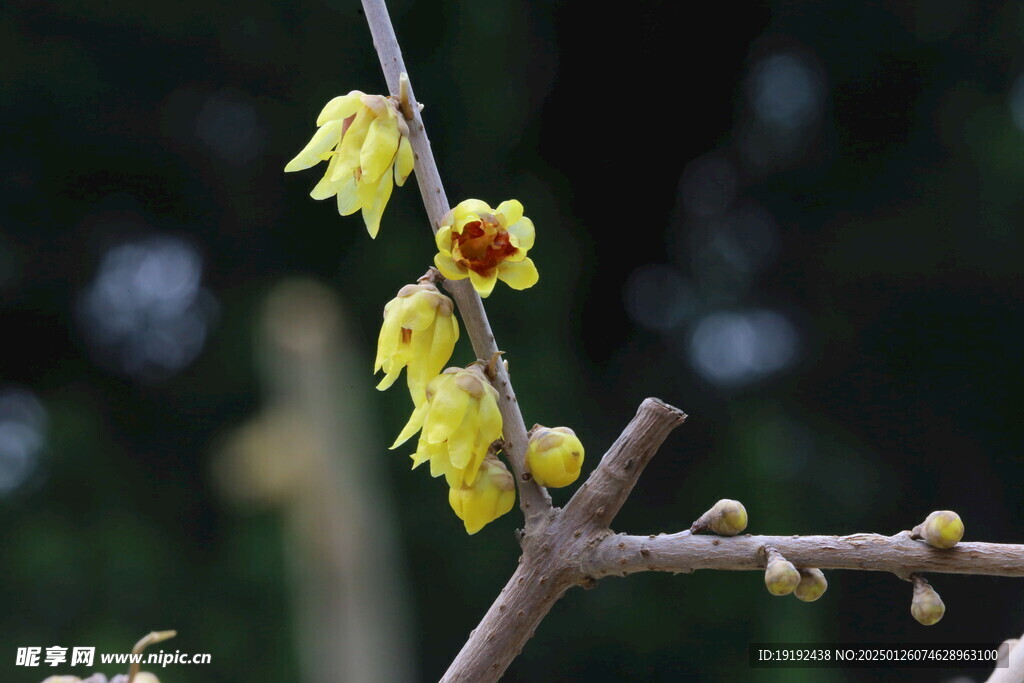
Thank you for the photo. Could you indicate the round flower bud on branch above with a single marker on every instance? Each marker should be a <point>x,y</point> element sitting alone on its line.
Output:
<point>780,576</point>
<point>812,585</point>
<point>941,529</point>
<point>725,518</point>
<point>927,607</point>
<point>554,456</point>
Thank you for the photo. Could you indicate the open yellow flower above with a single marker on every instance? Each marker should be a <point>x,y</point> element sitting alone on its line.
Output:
<point>419,332</point>
<point>365,141</point>
<point>492,495</point>
<point>458,423</point>
<point>486,245</point>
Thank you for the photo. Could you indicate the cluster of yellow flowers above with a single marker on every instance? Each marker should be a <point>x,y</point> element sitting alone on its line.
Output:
<point>365,141</point>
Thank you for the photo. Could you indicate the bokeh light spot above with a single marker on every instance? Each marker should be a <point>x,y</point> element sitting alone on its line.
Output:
<point>737,348</point>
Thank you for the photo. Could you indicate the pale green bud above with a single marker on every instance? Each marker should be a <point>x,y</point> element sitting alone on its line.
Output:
<point>781,577</point>
<point>812,585</point>
<point>942,529</point>
<point>927,607</point>
<point>726,518</point>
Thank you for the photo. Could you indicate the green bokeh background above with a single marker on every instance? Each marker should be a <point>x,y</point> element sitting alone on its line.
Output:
<point>895,256</point>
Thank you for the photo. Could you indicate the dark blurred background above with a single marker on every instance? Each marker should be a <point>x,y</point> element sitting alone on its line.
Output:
<point>797,221</point>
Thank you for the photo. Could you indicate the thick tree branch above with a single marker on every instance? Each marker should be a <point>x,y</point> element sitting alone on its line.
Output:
<point>533,499</point>
<point>621,555</point>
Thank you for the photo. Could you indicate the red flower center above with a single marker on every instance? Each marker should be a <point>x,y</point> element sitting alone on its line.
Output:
<point>483,244</point>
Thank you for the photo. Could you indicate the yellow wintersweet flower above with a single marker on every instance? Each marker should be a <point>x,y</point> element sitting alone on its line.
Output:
<point>554,456</point>
<point>365,141</point>
<point>486,245</point>
<point>459,422</point>
<point>489,497</point>
<point>419,332</point>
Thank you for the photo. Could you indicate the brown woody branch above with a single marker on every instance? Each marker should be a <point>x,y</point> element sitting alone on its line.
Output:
<point>621,555</point>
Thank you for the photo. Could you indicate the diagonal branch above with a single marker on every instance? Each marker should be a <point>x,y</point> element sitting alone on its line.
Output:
<point>533,499</point>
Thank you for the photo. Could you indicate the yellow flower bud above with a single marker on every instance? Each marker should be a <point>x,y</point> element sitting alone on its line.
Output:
<point>927,607</point>
<point>459,420</point>
<point>486,245</point>
<point>419,332</point>
<point>781,577</point>
<point>726,518</point>
<point>812,585</point>
<point>489,497</point>
<point>942,529</point>
<point>554,456</point>
<point>364,140</point>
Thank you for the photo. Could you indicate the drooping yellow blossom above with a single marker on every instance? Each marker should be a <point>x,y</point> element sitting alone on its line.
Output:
<point>419,332</point>
<point>365,141</point>
<point>459,422</point>
<point>486,245</point>
<point>554,456</point>
<point>489,497</point>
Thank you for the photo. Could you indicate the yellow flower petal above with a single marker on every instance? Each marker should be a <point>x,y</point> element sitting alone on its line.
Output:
<point>469,207</point>
<point>447,409</point>
<point>340,108</point>
<point>404,161</point>
<point>449,268</point>
<point>463,439</point>
<point>439,463</point>
<point>352,143</point>
<point>379,149</point>
<point>518,275</point>
<point>326,187</point>
<point>414,425</point>
<point>325,139</point>
<point>522,234</point>
<point>372,213</point>
<point>509,212</point>
<point>443,239</point>
<point>348,201</point>
<point>483,284</point>
<point>390,333</point>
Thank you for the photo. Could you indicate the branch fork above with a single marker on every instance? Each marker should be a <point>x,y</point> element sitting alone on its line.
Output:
<point>576,546</point>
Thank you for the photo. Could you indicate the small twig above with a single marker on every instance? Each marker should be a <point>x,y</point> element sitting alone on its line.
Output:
<point>534,500</point>
<point>611,483</point>
<point>151,638</point>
